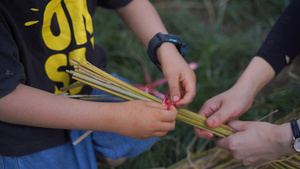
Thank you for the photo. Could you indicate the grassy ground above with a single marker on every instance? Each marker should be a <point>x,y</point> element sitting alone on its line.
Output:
<point>222,36</point>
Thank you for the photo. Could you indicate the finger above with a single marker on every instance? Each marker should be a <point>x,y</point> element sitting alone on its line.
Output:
<point>155,105</point>
<point>205,111</point>
<point>188,96</point>
<point>167,126</point>
<point>169,115</point>
<point>209,107</point>
<point>209,111</point>
<point>231,142</point>
<point>160,133</point>
<point>204,134</point>
<point>221,116</point>
<point>223,142</point>
<point>173,82</point>
<point>238,125</point>
<point>188,88</point>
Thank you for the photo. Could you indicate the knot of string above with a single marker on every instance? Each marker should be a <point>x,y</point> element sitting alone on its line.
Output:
<point>165,103</point>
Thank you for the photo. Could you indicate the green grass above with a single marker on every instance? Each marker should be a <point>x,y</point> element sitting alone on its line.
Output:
<point>222,43</point>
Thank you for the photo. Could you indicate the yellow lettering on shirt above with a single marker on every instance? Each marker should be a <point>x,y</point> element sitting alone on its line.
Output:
<point>81,23</point>
<point>61,41</point>
<point>79,14</point>
<point>52,67</point>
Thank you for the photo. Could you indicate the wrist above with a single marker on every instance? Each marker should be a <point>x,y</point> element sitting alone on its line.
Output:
<point>284,136</point>
<point>167,51</point>
<point>105,117</point>
<point>154,46</point>
<point>296,134</point>
<point>244,90</point>
<point>256,76</point>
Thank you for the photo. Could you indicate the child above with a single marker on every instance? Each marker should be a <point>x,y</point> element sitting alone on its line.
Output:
<point>38,40</point>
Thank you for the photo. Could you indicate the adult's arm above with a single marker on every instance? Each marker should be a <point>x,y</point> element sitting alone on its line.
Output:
<point>278,50</point>
<point>282,44</point>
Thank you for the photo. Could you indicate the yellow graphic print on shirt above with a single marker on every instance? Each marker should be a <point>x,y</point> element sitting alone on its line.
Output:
<point>81,23</point>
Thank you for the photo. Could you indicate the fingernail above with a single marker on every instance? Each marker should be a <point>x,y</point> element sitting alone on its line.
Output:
<point>175,98</point>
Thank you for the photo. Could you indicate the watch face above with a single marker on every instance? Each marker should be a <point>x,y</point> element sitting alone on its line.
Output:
<point>297,145</point>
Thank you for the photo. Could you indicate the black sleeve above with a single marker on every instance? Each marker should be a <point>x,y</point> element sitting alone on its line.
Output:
<point>283,39</point>
<point>113,4</point>
<point>11,69</point>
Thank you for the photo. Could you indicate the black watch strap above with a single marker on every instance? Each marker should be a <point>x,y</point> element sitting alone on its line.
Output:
<point>160,38</point>
<point>295,128</point>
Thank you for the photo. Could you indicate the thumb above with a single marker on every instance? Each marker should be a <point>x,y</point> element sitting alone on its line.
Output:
<point>238,125</point>
<point>174,89</point>
<point>216,119</point>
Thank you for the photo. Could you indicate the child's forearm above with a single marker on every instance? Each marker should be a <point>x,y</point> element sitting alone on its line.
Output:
<point>138,119</point>
<point>143,19</point>
<point>29,106</point>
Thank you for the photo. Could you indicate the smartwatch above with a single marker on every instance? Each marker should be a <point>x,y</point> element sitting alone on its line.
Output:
<point>296,133</point>
<point>160,38</point>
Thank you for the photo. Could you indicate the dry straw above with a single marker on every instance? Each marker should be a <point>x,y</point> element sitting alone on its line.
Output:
<point>217,158</point>
<point>88,74</point>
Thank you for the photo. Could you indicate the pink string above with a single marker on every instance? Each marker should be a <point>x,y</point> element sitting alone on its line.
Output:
<point>165,103</point>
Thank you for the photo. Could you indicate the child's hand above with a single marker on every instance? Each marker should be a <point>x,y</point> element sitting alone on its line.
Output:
<point>143,119</point>
<point>181,78</point>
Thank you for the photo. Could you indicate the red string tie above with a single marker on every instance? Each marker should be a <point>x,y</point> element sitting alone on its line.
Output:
<point>165,103</point>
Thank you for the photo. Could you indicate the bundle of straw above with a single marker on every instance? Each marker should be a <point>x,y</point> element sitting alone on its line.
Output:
<point>88,74</point>
<point>220,158</point>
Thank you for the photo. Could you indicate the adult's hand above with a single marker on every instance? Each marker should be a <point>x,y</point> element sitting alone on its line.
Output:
<point>226,106</point>
<point>237,100</point>
<point>256,143</point>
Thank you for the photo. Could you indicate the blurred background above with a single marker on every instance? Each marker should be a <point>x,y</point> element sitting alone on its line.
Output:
<point>221,37</point>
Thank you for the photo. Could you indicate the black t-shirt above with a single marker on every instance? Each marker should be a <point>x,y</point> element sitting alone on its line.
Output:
<point>284,39</point>
<point>38,40</point>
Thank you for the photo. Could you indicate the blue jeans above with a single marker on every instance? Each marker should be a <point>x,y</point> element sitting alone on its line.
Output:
<point>82,155</point>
